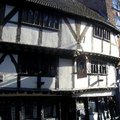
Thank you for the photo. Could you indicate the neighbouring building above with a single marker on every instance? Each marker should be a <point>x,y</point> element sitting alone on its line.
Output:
<point>57,58</point>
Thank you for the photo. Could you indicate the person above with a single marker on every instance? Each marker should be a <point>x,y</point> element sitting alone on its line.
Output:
<point>111,107</point>
<point>101,109</point>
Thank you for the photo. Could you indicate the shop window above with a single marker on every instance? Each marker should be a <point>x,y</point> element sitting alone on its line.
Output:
<point>92,107</point>
<point>29,111</point>
<point>50,111</point>
<point>101,33</point>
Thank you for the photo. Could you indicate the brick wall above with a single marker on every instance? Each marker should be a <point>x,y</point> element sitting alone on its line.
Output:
<point>103,7</point>
<point>110,11</point>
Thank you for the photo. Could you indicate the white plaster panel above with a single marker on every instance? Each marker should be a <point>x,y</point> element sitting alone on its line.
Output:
<point>81,83</point>
<point>9,32</point>
<point>97,94</point>
<point>49,38</point>
<point>86,42</point>
<point>113,39</point>
<point>68,41</point>
<point>8,9</point>
<point>72,23</point>
<point>7,66</point>
<point>97,45</point>
<point>114,51</point>
<point>111,76</point>
<point>106,48</point>
<point>28,82</point>
<point>102,82</point>
<point>82,26</point>
<point>29,35</point>
<point>93,81</point>
<point>49,82</point>
<point>65,73</point>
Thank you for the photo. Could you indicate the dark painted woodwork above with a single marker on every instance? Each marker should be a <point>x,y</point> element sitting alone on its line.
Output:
<point>70,28</point>
<point>60,33</point>
<point>10,15</point>
<point>19,25</point>
<point>77,25</point>
<point>2,12</point>
<point>14,62</point>
<point>57,74</point>
<point>110,48</point>
<point>2,58</point>
<point>39,83</point>
<point>86,109</point>
<point>84,32</point>
<point>40,37</point>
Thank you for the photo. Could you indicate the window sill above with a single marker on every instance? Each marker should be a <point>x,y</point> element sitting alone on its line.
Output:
<point>39,26</point>
<point>95,74</point>
<point>101,38</point>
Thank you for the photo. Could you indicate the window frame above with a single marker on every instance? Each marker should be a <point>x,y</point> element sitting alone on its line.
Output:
<point>42,66</point>
<point>101,33</point>
<point>52,23</point>
<point>98,67</point>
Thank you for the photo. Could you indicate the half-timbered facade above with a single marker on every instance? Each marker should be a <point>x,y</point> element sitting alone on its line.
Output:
<point>56,57</point>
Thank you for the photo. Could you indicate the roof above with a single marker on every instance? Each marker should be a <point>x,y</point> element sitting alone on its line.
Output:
<point>73,7</point>
<point>69,6</point>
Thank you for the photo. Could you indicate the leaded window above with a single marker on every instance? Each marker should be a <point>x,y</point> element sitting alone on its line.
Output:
<point>42,19</point>
<point>101,33</point>
<point>33,65</point>
<point>98,67</point>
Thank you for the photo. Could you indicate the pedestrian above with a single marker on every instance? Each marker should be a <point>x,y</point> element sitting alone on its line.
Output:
<point>111,107</point>
<point>101,109</point>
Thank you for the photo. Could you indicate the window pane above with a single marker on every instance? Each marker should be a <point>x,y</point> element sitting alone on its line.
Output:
<point>46,20</point>
<point>49,111</point>
<point>25,16</point>
<point>36,17</point>
<point>30,16</point>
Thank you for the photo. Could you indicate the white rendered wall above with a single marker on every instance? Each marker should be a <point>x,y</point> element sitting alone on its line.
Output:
<point>9,32</point>
<point>68,41</point>
<point>86,41</point>
<point>97,45</point>
<point>111,76</point>
<point>49,38</point>
<point>96,81</point>
<point>65,74</point>
<point>106,48</point>
<point>81,83</point>
<point>29,35</point>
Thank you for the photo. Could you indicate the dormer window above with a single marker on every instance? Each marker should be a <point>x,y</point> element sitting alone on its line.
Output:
<point>101,33</point>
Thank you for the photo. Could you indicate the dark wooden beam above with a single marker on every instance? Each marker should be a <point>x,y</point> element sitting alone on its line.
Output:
<point>10,15</point>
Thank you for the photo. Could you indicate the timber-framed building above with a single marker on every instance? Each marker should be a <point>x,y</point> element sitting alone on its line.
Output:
<point>56,57</point>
